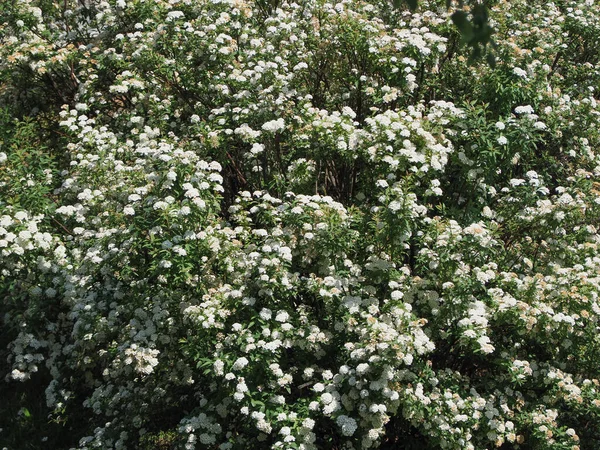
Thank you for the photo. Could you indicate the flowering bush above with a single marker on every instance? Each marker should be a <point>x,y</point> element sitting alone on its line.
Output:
<point>232,224</point>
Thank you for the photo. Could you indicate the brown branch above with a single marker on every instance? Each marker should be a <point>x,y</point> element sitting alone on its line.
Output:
<point>554,64</point>
<point>62,226</point>
<point>238,171</point>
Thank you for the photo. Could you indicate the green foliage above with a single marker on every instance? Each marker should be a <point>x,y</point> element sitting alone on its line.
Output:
<point>27,176</point>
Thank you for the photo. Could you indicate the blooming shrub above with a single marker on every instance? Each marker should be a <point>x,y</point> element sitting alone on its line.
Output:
<point>300,225</point>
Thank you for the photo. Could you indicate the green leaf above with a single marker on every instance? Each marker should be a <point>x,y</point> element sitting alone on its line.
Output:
<point>480,15</point>
<point>461,21</point>
<point>412,4</point>
<point>475,54</point>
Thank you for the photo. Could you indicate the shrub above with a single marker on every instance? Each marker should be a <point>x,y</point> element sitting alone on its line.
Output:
<point>230,224</point>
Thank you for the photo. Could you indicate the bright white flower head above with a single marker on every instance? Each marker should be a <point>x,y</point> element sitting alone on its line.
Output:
<point>527,109</point>
<point>274,125</point>
<point>240,363</point>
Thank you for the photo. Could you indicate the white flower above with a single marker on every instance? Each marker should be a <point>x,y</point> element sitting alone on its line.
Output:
<point>326,398</point>
<point>347,111</point>
<point>218,367</point>
<point>469,334</point>
<point>173,15</point>
<point>285,380</point>
<point>273,345</point>
<point>373,434</point>
<point>485,345</point>
<point>319,387</point>
<point>18,375</point>
<point>500,125</point>
<point>278,400</point>
<point>3,157</point>
<point>282,316</point>
<point>362,368</point>
<point>397,295</point>
<point>274,125</point>
<point>347,424</point>
<point>502,140</point>
<point>520,72</point>
<point>395,206</point>
<point>532,174</point>
<point>300,66</point>
<point>264,426</point>
<point>265,314</point>
<point>257,149</point>
<point>308,424</point>
<point>527,109</point>
<point>240,363</point>
<point>308,373</point>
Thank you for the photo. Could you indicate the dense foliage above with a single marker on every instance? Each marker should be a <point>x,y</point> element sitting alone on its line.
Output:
<point>233,224</point>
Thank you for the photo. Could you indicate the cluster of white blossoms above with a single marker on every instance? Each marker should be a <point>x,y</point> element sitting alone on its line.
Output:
<point>301,224</point>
